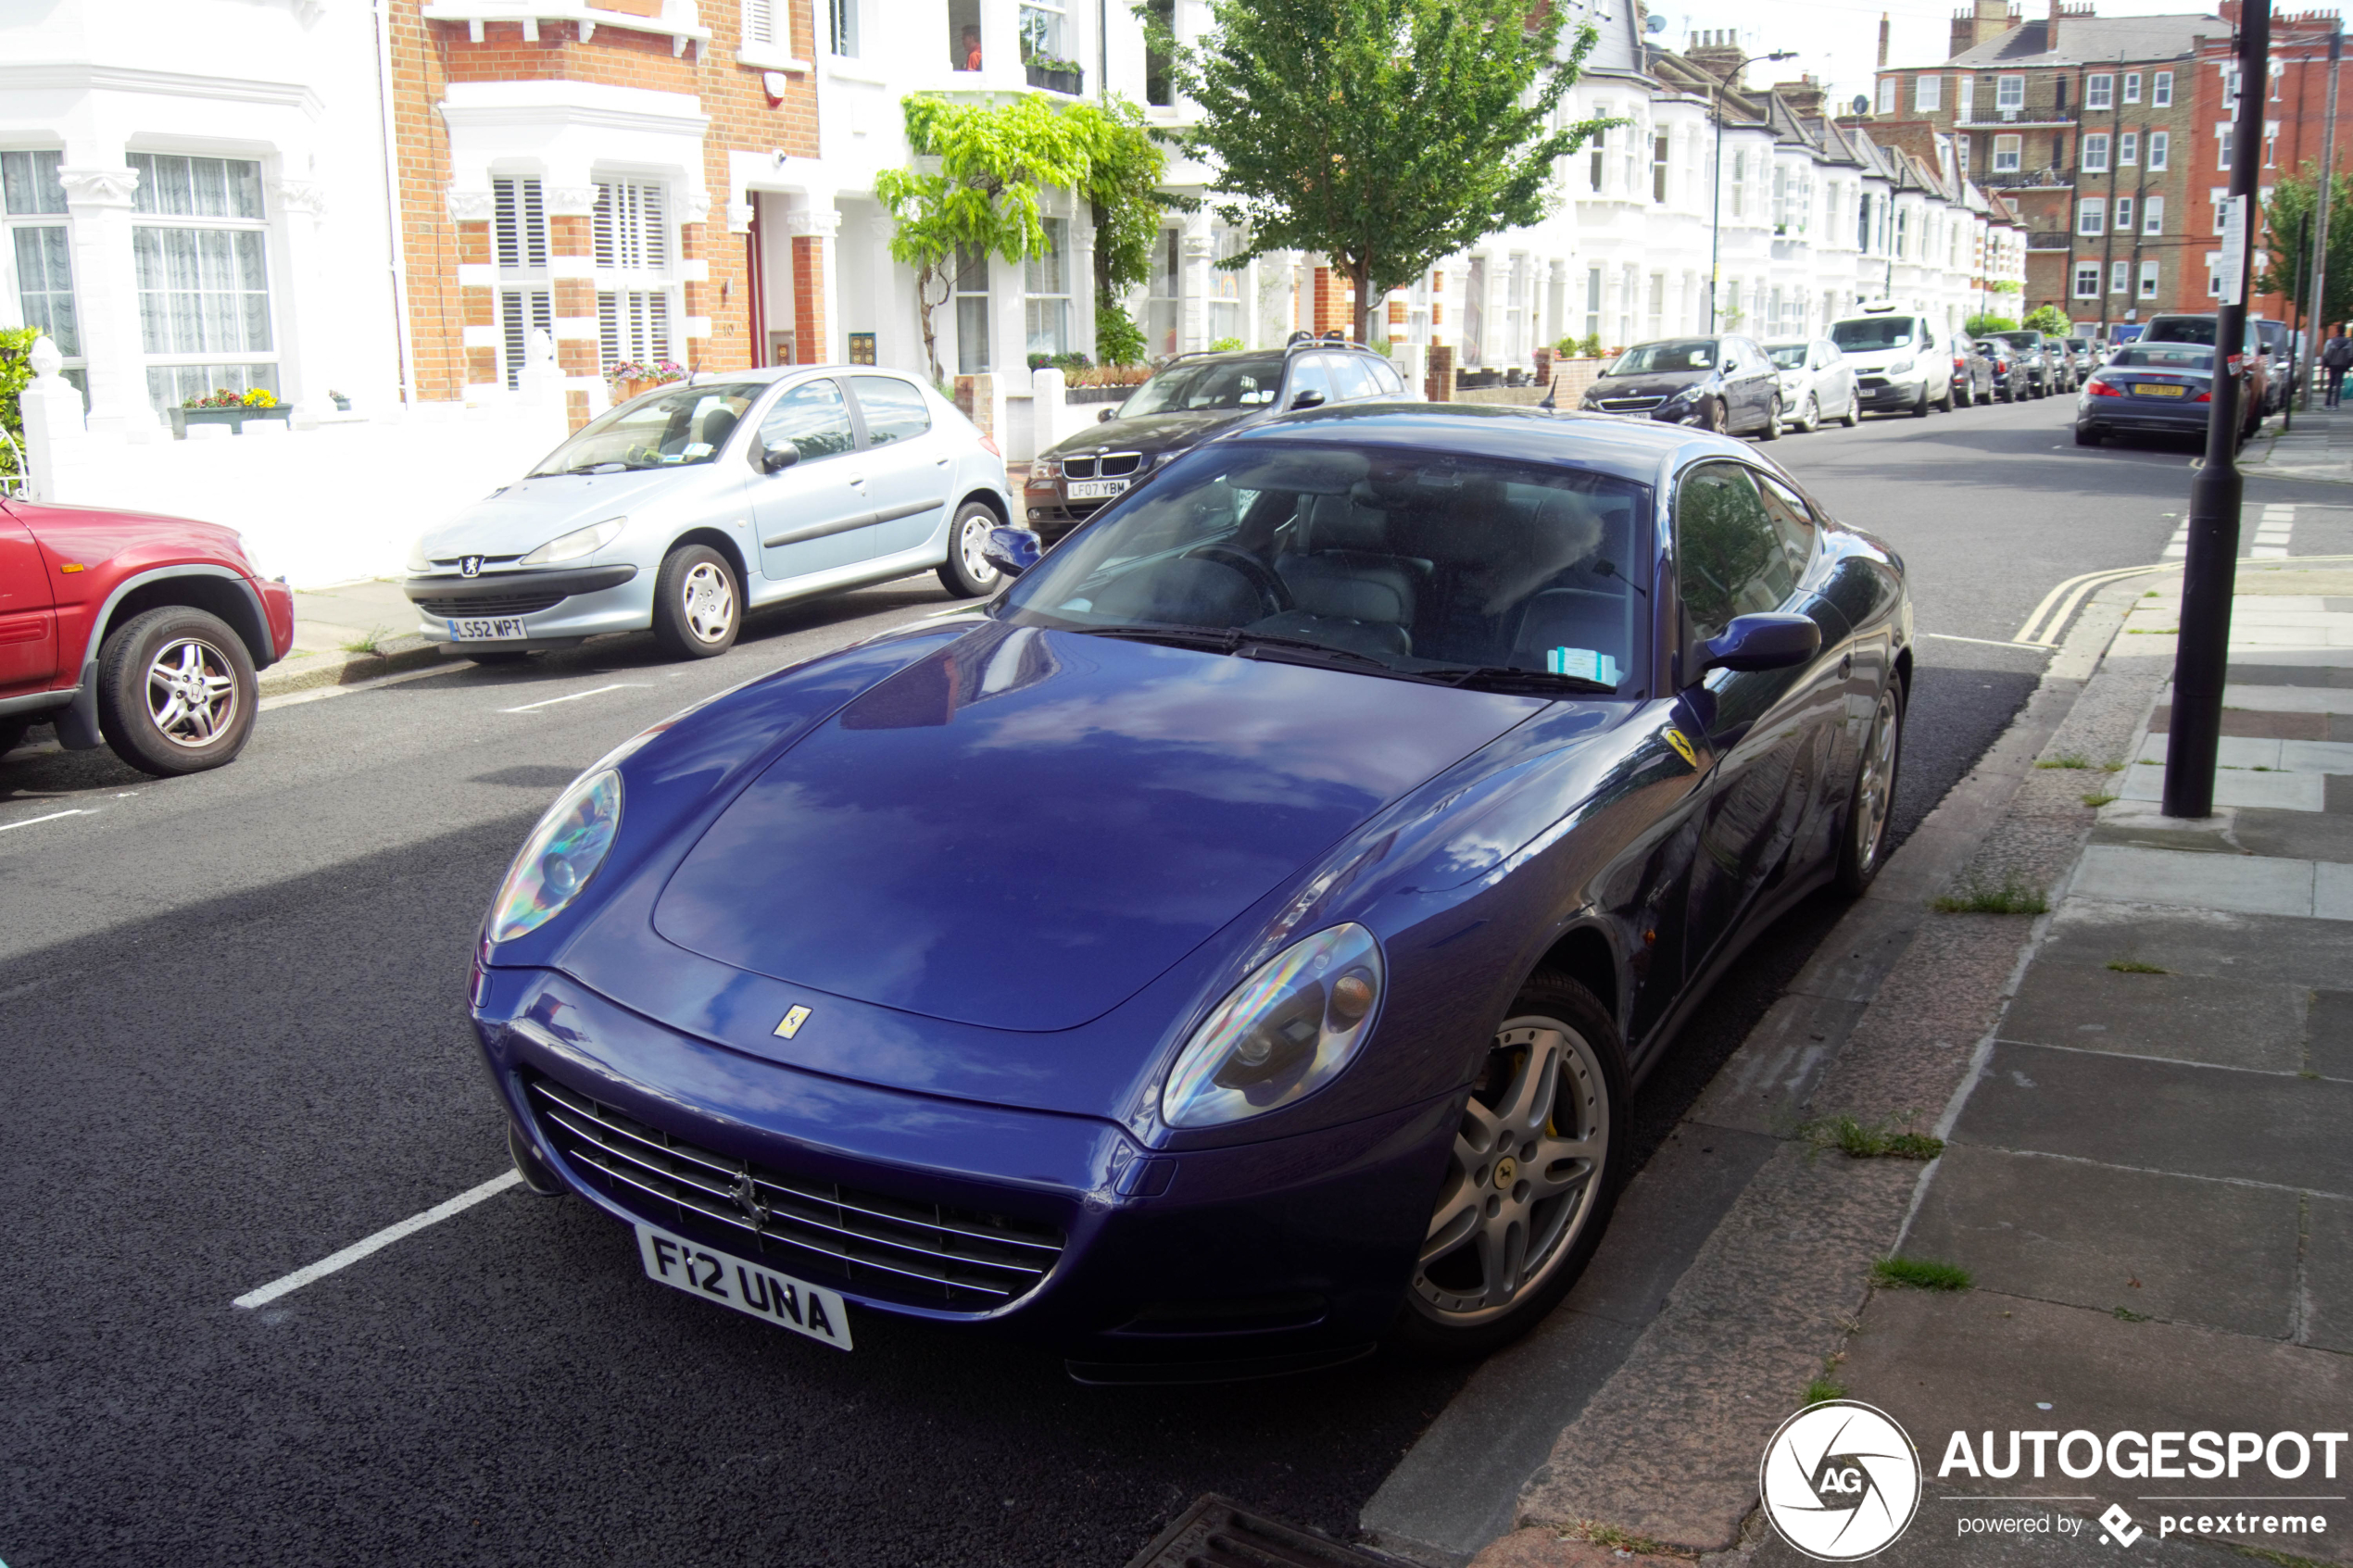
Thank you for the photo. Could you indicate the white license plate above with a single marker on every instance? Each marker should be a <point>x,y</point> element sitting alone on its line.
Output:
<point>487,630</point>
<point>725,1280</point>
<point>1095,489</point>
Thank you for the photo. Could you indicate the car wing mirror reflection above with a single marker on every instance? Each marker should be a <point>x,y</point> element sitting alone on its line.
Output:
<point>1762,642</point>
<point>1310,399</point>
<point>1107,415</point>
<point>778,455</point>
<point>1014,550</point>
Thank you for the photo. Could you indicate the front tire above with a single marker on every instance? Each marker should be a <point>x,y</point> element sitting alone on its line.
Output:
<point>1862,845</point>
<point>964,573</point>
<point>1536,1166</point>
<point>1854,415</point>
<point>176,692</point>
<point>697,603</point>
<point>1919,409</point>
<point>1772,431</point>
<point>1811,420</point>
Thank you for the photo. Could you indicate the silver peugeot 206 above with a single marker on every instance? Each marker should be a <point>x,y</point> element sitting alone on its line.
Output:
<point>682,508</point>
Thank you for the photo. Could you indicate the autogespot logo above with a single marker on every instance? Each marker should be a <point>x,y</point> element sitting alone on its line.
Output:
<point>1840,1481</point>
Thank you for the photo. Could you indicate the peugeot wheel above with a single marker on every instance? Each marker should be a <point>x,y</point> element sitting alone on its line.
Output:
<point>697,605</point>
<point>1863,845</point>
<point>176,692</point>
<point>1535,1169</point>
<point>966,573</point>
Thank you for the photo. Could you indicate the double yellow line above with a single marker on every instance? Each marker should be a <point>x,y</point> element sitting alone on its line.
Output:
<point>2050,618</point>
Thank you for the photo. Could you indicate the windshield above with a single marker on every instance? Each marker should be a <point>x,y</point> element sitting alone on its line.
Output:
<point>2166,355</point>
<point>1874,332</point>
<point>2182,329</point>
<point>1391,561</point>
<point>1208,384</point>
<point>1787,355</point>
<point>686,424</point>
<point>2021,340</point>
<point>1678,353</point>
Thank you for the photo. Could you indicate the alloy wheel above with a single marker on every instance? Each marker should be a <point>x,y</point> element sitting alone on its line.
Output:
<point>969,544</point>
<point>1524,1177</point>
<point>192,691</point>
<point>710,601</point>
<point>1812,420</point>
<point>1876,786</point>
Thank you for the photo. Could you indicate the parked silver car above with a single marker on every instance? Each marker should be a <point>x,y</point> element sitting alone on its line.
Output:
<point>1817,384</point>
<point>683,506</point>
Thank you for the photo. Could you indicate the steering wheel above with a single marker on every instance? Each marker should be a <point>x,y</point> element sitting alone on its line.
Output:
<point>1273,598</point>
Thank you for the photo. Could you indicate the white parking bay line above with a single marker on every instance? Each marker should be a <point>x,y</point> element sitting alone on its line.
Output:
<point>34,821</point>
<point>381,1239</point>
<point>575,696</point>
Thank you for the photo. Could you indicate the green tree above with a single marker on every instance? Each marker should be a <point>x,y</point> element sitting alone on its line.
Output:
<point>1125,167</point>
<point>1978,326</point>
<point>1386,134</point>
<point>2049,318</point>
<point>2289,219</point>
<point>16,374</point>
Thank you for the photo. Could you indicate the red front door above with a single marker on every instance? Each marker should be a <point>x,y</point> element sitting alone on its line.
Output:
<point>28,615</point>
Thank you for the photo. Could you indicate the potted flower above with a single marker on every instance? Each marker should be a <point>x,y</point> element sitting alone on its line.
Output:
<point>222,406</point>
<point>342,404</point>
<point>629,378</point>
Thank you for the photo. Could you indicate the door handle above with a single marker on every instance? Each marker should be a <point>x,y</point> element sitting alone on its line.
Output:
<point>1846,666</point>
<point>856,479</point>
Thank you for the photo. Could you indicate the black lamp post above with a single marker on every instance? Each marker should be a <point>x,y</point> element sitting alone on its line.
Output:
<point>1716,211</point>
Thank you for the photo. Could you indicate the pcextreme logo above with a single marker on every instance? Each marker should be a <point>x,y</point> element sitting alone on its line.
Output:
<point>1840,1480</point>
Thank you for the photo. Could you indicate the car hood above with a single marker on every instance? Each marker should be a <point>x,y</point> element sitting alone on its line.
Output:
<point>526,514</point>
<point>1150,432</point>
<point>1023,828</point>
<point>1649,385</point>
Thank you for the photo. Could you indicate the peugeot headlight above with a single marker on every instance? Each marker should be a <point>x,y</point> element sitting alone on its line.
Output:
<point>559,856</point>
<point>578,543</point>
<point>418,563</point>
<point>1682,395</point>
<point>1901,368</point>
<point>1281,1033</point>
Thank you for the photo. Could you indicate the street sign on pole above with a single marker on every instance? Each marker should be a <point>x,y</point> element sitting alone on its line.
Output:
<point>2210,573</point>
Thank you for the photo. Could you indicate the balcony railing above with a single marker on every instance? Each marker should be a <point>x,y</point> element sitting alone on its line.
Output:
<point>2023,180</point>
<point>2047,239</point>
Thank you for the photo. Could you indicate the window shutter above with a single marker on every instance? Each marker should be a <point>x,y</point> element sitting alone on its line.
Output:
<point>518,224</point>
<point>627,231</point>
<point>759,21</point>
<point>520,312</point>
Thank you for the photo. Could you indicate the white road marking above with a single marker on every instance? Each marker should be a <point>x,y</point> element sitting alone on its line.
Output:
<point>34,821</point>
<point>381,1239</point>
<point>575,696</point>
<point>1988,642</point>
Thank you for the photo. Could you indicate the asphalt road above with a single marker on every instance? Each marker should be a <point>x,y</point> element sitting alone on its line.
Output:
<point>233,1042</point>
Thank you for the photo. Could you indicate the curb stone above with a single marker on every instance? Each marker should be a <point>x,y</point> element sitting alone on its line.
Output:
<point>1666,1449</point>
<point>396,656</point>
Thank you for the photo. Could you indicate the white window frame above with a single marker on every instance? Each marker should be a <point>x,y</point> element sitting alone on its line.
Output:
<point>2128,149</point>
<point>2010,94</point>
<point>2091,216</point>
<point>2213,274</point>
<point>2132,87</point>
<point>2162,90</point>
<point>1965,99</point>
<point>2094,156</point>
<point>142,220</point>
<point>2119,277</point>
<point>2148,281</point>
<point>766,38</point>
<point>2099,91</point>
<point>2010,153</point>
<point>1928,93</point>
<point>2086,270</point>
<point>12,280</point>
<point>2222,149</point>
<point>974,325</point>
<point>2219,196</point>
<point>2124,215</point>
<point>1046,292</point>
<point>519,252</point>
<point>2153,215</point>
<point>2160,149</point>
<point>633,247</point>
<point>1888,88</point>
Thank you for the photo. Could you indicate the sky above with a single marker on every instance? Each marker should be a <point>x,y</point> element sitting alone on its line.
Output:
<point>1838,40</point>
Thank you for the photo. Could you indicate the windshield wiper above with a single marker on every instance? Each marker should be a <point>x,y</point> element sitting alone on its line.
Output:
<point>612,465</point>
<point>1502,676</point>
<point>1236,640</point>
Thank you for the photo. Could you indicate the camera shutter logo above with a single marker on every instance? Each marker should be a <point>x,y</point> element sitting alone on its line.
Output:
<point>1840,1480</point>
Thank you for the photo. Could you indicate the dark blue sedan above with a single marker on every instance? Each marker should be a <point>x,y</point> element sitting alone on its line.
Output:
<point>2148,389</point>
<point>1238,941</point>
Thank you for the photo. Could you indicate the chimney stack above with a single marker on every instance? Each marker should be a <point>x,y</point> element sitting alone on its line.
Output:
<point>1804,96</point>
<point>2051,30</point>
<point>1883,35</point>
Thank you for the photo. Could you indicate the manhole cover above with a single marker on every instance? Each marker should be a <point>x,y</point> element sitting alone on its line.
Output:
<point>1213,1532</point>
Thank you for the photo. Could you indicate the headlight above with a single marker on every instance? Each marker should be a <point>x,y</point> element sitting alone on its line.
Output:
<point>419,563</point>
<point>253,557</point>
<point>1282,1033</point>
<point>1046,468</point>
<point>1901,368</point>
<point>578,543</point>
<point>559,856</point>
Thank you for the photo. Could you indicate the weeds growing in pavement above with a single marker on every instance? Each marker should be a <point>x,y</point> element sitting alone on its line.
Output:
<point>1622,1540</point>
<point>1919,1274</point>
<point>2096,801</point>
<point>2134,966</point>
<point>2126,1314</point>
<point>1850,1137</point>
<point>1823,1388</point>
<point>371,641</point>
<point>2012,897</point>
<point>2066,760</point>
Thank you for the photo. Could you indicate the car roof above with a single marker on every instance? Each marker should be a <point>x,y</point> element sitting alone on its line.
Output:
<point>1631,450</point>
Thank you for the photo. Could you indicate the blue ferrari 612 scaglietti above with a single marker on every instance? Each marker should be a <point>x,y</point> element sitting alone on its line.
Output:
<point>1237,940</point>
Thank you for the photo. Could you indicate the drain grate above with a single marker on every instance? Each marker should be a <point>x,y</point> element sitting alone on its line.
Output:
<point>1213,1532</point>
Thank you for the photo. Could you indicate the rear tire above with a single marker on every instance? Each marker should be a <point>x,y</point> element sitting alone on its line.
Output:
<point>1714,419</point>
<point>1862,843</point>
<point>176,692</point>
<point>12,732</point>
<point>1550,1099</point>
<point>1772,431</point>
<point>964,573</point>
<point>697,603</point>
<point>2087,437</point>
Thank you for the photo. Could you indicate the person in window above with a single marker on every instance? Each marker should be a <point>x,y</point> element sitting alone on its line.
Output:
<point>972,47</point>
<point>2336,357</point>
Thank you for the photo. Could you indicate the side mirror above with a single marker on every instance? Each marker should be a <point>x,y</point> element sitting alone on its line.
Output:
<point>776,458</point>
<point>1014,550</point>
<point>1310,399</point>
<point>1762,642</point>
<point>1109,414</point>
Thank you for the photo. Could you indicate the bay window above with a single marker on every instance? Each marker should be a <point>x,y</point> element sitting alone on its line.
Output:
<point>39,251</point>
<point>630,242</point>
<point>201,259</point>
<point>1046,292</point>
<point>519,249</point>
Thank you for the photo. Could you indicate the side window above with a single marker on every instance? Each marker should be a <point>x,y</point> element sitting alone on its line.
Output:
<point>1385,376</point>
<point>813,417</point>
<point>1792,521</point>
<point>894,411</point>
<point>1351,373</point>
<point>1307,375</point>
<point>1728,558</point>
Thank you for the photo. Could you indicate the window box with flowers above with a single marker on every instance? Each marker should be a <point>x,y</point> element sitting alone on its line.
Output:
<point>629,378</point>
<point>226,407</point>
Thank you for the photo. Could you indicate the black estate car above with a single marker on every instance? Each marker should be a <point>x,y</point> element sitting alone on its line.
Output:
<point>1188,400</point>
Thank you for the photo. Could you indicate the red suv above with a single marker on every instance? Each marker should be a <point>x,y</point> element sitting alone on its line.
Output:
<point>143,633</point>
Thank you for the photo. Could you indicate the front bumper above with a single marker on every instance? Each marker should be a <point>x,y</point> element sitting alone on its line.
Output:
<point>1878,392</point>
<point>1207,1263</point>
<point>561,605</point>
